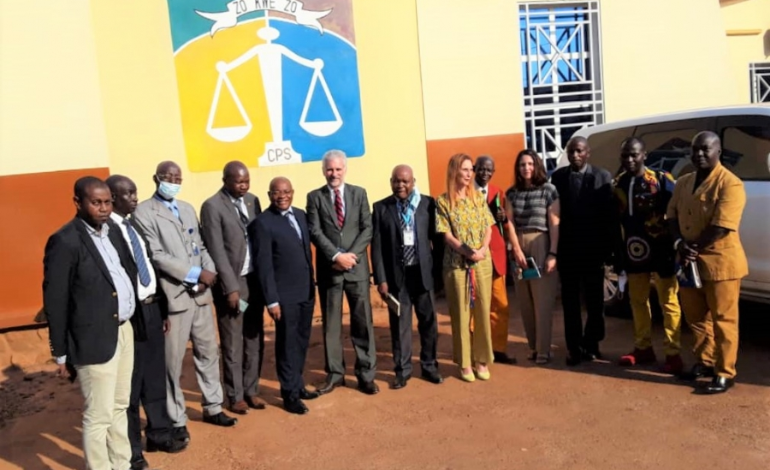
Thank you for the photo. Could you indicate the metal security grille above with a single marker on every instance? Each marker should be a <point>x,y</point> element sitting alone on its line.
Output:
<point>759,73</point>
<point>561,70</point>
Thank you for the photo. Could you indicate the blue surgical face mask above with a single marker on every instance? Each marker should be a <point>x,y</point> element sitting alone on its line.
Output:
<point>168,190</point>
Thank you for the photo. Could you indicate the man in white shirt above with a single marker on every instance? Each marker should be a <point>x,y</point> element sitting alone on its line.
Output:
<point>148,384</point>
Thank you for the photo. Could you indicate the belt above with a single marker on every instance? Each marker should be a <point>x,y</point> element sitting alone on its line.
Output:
<point>149,300</point>
<point>530,230</point>
<point>120,323</point>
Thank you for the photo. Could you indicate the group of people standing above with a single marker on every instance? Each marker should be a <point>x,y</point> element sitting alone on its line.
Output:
<point>128,284</point>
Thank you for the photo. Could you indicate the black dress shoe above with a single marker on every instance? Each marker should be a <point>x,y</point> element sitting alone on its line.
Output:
<point>180,434</point>
<point>220,419</point>
<point>305,394</point>
<point>573,359</point>
<point>139,464</point>
<point>698,371</point>
<point>329,386</point>
<point>590,354</point>
<point>717,385</point>
<point>295,405</point>
<point>171,446</point>
<point>369,388</point>
<point>502,358</point>
<point>399,382</point>
<point>432,376</point>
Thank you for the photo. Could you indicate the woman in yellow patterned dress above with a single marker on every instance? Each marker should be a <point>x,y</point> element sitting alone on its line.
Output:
<point>465,220</point>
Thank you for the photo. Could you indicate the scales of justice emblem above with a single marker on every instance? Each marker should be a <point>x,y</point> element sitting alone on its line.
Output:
<point>270,56</point>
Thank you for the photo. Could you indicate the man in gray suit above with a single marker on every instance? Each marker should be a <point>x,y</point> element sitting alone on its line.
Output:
<point>224,218</point>
<point>186,275</point>
<point>340,226</point>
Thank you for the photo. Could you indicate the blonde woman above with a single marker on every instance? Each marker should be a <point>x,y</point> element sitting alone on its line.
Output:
<point>463,217</point>
<point>533,207</point>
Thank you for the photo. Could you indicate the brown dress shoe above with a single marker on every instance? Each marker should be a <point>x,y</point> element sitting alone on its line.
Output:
<point>239,407</point>
<point>256,403</point>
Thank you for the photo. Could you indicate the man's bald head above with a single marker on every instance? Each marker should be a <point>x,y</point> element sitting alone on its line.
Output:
<point>402,181</point>
<point>281,193</point>
<point>236,179</point>
<point>706,150</point>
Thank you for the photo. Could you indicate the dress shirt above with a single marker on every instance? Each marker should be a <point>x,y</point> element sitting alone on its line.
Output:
<point>482,189</point>
<point>247,268</point>
<point>195,272</point>
<point>342,196</point>
<point>142,291</point>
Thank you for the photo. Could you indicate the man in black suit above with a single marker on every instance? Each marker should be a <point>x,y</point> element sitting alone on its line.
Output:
<point>585,246</point>
<point>224,218</point>
<point>281,246</point>
<point>89,297</point>
<point>340,225</point>
<point>148,381</point>
<point>404,226</point>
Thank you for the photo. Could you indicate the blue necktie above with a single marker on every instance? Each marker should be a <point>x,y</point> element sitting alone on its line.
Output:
<point>294,225</point>
<point>136,247</point>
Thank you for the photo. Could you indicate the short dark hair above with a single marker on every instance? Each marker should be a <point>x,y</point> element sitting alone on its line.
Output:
<point>539,176</point>
<point>631,141</point>
<point>82,185</point>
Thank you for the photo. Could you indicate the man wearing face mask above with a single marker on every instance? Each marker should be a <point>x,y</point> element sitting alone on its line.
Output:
<point>186,276</point>
<point>224,218</point>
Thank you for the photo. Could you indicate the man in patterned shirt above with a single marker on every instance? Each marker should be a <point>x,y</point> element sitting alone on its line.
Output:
<point>646,253</point>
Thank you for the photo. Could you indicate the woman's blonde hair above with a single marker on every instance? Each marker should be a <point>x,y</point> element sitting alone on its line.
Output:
<point>453,169</point>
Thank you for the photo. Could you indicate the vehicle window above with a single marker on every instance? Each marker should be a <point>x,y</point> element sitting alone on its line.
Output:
<point>605,148</point>
<point>746,147</point>
<point>668,146</point>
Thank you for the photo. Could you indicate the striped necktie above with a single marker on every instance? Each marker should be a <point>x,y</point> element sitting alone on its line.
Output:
<point>338,208</point>
<point>136,247</point>
<point>410,253</point>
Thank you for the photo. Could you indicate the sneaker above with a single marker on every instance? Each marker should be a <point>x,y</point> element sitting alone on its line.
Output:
<point>638,357</point>
<point>673,365</point>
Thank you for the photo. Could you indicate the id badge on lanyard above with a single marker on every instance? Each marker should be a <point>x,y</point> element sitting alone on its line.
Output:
<point>408,236</point>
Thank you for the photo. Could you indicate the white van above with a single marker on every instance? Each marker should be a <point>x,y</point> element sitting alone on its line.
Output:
<point>745,133</point>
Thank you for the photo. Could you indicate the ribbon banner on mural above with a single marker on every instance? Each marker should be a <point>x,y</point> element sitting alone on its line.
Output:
<point>237,8</point>
<point>266,82</point>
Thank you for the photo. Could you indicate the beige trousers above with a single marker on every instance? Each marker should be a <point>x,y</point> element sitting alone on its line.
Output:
<point>107,392</point>
<point>467,349</point>
<point>536,297</point>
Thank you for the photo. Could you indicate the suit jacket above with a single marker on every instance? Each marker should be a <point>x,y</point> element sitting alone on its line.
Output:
<point>79,297</point>
<point>587,227</point>
<point>329,239</point>
<point>160,296</point>
<point>225,237</point>
<point>388,241</point>
<point>176,246</point>
<point>281,260</point>
<point>497,245</point>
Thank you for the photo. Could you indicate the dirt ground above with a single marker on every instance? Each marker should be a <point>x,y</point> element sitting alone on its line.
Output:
<point>596,416</point>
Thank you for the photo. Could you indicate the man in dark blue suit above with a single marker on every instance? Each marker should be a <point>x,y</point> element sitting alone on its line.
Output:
<point>281,256</point>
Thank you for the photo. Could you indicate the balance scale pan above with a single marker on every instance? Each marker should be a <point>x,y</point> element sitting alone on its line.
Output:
<point>322,128</point>
<point>230,134</point>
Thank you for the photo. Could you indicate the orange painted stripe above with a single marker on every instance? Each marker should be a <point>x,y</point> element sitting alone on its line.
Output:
<point>32,207</point>
<point>502,148</point>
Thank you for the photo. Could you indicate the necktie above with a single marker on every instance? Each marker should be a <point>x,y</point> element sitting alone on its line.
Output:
<point>136,247</point>
<point>239,207</point>
<point>409,254</point>
<point>293,223</point>
<point>484,191</point>
<point>338,208</point>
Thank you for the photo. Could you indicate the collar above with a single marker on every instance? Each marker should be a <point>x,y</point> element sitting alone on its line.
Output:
<point>171,203</point>
<point>117,218</point>
<point>230,196</point>
<point>341,188</point>
<point>480,188</point>
<point>92,231</point>
<point>582,170</point>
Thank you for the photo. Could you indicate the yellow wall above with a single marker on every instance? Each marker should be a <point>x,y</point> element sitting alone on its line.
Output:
<point>751,15</point>
<point>142,112</point>
<point>471,69</point>
<point>50,106</point>
<point>663,56</point>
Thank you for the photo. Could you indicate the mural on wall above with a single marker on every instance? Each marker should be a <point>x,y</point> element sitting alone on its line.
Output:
<point>267,82</point>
